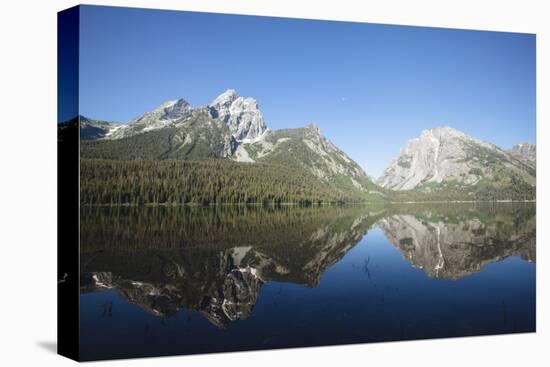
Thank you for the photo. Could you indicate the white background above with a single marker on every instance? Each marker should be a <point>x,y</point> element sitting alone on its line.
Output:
<point>28,182</point>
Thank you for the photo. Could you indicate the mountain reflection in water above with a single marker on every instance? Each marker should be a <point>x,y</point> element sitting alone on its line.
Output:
<point>211,261</point>
<point>452,248</point>
<point>215,261</point>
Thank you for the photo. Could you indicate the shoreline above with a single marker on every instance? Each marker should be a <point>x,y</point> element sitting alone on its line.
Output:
<point>192,205</point>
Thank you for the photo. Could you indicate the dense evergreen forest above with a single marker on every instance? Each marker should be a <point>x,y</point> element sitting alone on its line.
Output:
<point>207,182</point>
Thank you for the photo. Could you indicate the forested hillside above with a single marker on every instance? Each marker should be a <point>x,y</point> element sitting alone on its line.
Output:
<point>205,182</point>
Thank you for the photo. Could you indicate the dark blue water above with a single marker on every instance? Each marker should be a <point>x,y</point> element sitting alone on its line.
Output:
<point>393,276</point>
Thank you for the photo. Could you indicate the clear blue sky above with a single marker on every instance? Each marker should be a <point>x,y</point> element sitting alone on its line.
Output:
<point>369,87</point>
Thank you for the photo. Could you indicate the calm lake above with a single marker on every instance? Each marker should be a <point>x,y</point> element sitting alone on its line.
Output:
<point>162,281</point>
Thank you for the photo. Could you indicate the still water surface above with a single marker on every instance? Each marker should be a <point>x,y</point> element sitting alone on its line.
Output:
<point>161,281</point>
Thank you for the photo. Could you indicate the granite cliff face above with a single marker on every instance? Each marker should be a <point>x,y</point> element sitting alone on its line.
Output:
<point>242,115</point>
<point>447,157</point>
<point>525,152</point>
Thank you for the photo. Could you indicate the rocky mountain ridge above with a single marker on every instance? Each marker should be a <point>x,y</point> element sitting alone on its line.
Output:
<point>241,115</point>
<point>443,157</point>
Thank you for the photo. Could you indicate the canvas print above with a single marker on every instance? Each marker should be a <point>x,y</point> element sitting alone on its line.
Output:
<point>245,182</point>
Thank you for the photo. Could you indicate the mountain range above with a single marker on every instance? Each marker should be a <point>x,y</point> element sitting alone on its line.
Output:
<point>441,163</point>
